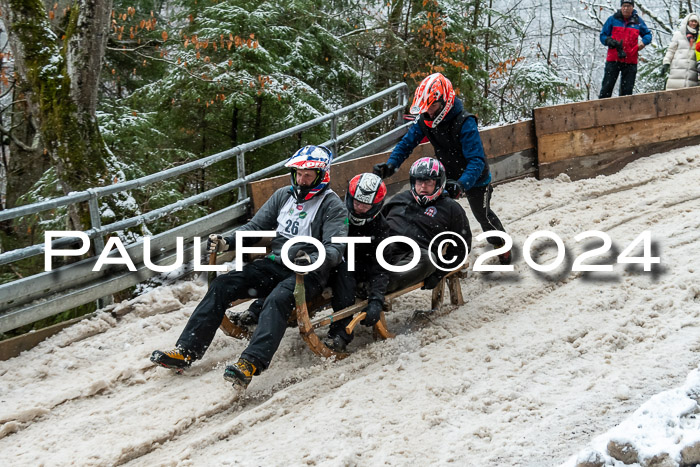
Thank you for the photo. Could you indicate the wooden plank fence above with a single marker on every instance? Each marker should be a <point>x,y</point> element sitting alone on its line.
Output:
<point>600,137</point>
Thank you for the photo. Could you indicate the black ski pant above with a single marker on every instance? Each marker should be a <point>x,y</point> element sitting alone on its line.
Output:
<point>343,284</point>
<point>627,73</point>
<point>480,203</point>
<point>259,278</point>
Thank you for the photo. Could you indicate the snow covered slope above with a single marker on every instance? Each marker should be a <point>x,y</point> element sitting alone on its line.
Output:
<point>529,372</point>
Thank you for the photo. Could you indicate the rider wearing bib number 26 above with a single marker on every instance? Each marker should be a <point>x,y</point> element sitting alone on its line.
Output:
<point>308,207</point>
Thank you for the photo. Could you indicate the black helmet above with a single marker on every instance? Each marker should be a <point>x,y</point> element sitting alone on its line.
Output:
<point>368,189</point>
<point>427,168</point>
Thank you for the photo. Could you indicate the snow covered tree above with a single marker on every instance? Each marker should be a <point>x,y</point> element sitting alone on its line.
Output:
<point>234,72</point>
<point>59,81</point>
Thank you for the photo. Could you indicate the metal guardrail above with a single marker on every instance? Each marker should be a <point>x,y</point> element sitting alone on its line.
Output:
<point>36,297</point>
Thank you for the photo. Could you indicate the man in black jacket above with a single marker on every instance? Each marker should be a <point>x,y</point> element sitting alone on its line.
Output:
<point>364,201</point>
<point>422,214</point>
<point>454,135</point>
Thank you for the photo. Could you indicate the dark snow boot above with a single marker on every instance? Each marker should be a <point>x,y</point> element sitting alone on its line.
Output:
<point>176,359</point>
<point>244,319</point>
<point>506,257</point>
<point>240,373</point>
<point>336,343</point>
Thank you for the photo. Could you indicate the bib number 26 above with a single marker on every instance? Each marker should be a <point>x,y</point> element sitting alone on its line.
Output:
<point>292,227</point>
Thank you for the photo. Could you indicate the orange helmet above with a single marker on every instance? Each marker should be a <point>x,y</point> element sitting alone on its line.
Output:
<point>432,89</point>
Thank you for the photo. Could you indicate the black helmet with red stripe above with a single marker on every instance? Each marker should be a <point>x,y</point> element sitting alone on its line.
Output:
<point>369,190</point>
<point>427,168</point>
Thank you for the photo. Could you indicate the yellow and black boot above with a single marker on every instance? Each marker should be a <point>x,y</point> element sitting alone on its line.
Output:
<point>176,359</point>
<point>240,373</point>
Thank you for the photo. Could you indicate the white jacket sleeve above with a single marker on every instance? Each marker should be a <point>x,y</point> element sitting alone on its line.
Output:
<point>672,47</point>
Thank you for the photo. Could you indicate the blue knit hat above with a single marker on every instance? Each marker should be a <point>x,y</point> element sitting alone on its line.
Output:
<point>631,2</point>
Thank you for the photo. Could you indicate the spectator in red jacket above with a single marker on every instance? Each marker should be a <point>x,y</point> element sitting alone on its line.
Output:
<point>622,33</point>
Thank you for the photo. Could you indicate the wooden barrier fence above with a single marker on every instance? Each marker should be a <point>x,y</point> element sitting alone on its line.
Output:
<point>600,137</point>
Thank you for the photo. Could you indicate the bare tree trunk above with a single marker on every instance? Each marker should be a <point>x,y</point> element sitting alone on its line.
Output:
<point>25,163</point>
<point>62,85</point>
<point>487,78</point>
<point>551,34</point>
<point>258,118</point>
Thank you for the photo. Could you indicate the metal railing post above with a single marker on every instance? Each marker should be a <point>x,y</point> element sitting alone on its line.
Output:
<point>99,242</point>
<point>95,220</point>
<point>334,135</point>
<point>240,164</point>
<point>401,100</point>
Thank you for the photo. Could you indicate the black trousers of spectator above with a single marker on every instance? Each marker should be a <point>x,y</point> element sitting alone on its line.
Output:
<point>480,203</point>
<point>627,73</point>
<point>261,278</point>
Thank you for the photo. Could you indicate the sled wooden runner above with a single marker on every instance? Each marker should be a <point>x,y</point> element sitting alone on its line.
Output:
<point>305,329</point>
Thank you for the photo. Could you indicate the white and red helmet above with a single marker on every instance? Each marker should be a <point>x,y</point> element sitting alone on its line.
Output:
<point>432,89</point>
<point>368,189</point>
<point>427,168</point>
<point>316,158</point>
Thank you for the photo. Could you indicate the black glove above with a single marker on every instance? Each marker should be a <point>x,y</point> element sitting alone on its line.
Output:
<point>430,282</point>
<point>302,258</point>
<point>216,243</point>
<point>373,310</point>
<point>384,170</point>
<point>612,43</point>
<point>664,68</point>
<point>454,189</point>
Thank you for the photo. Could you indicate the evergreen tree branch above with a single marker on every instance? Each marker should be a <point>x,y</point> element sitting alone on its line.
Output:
<point>164,60</point>
<point>358,31</point>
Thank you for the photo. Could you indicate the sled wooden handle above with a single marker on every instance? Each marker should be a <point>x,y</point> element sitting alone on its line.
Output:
<point>379,326</point>
<point>304,323</point>
<point>351,326</point>
<point>212,261</point>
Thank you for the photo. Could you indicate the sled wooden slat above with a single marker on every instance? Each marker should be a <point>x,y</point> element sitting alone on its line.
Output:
<point>351,310</point>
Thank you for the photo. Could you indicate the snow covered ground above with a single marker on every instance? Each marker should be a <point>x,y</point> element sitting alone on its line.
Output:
<point>536,369</point>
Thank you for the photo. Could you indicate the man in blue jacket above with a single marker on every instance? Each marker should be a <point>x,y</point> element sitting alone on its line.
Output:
<point>455,137</point>
<point>621,34</point>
